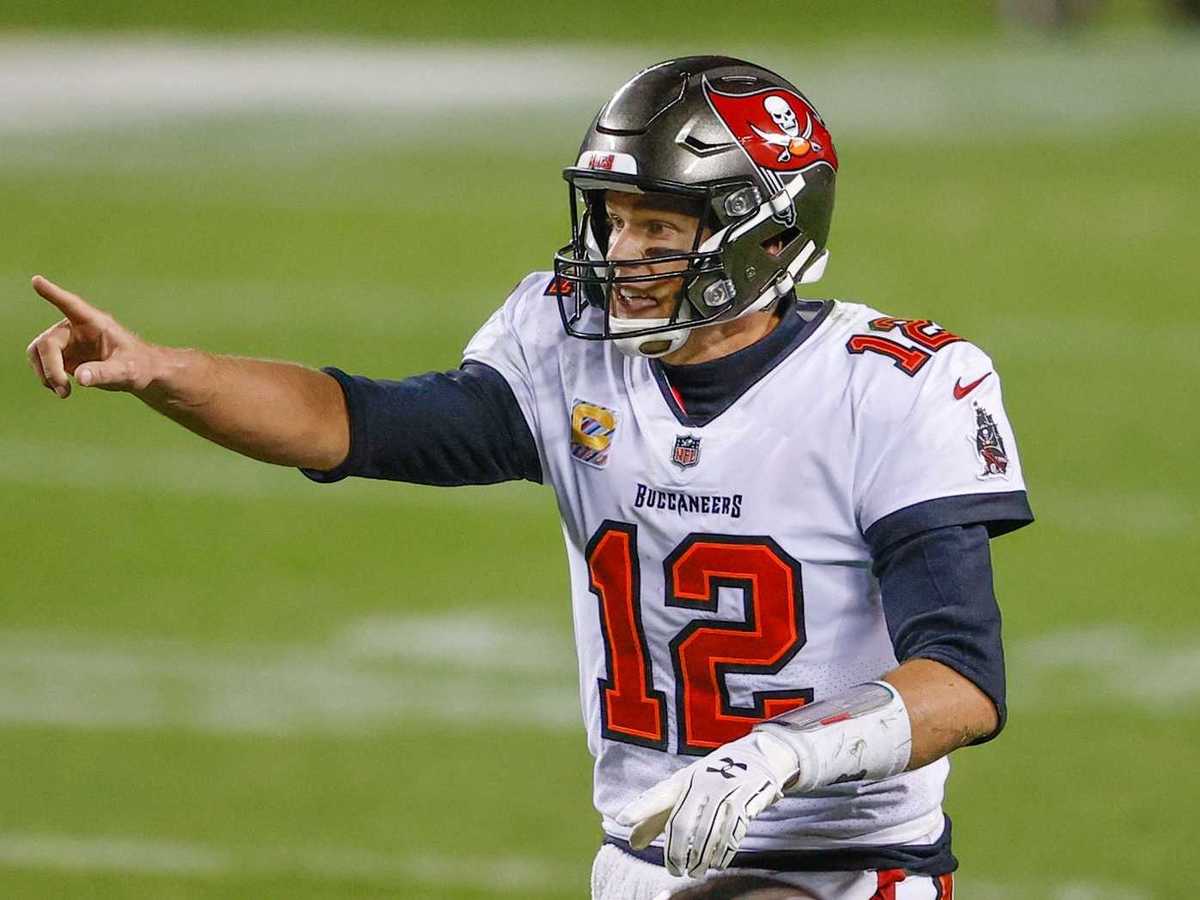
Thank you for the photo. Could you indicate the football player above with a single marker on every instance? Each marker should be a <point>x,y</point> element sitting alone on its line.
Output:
<point>776,510</point>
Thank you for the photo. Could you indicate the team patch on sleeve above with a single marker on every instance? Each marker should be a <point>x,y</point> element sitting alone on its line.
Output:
<point>989,445</point>
<point>592,430</point>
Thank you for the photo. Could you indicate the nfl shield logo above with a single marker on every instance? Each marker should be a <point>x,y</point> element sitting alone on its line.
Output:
<point>687,451</point>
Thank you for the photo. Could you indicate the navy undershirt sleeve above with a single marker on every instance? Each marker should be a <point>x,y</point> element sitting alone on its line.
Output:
<point>939,604</point>
<point>442,428</point>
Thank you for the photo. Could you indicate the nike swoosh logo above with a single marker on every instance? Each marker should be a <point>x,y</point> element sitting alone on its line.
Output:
<point>961,390</point>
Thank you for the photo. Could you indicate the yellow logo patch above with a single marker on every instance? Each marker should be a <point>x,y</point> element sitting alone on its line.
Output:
<point>592,429</point>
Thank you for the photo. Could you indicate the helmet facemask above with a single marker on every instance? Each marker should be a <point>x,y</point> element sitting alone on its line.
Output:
<point>743,256</point>
<point>590,309</point>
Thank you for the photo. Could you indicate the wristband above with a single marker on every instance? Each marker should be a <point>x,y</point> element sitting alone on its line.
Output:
<point>862,734</point>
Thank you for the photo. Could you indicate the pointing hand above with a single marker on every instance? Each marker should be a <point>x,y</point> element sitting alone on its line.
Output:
<point>89,344</point>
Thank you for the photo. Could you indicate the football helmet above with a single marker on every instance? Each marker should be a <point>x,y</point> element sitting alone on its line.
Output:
<point>753,156</point>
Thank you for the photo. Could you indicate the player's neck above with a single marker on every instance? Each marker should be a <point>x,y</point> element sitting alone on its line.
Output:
<point>715,341</point>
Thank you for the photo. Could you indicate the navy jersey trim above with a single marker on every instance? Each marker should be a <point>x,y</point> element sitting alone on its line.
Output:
<point>710,388</point>
<point>915,859</point>
<point>1001,512</point>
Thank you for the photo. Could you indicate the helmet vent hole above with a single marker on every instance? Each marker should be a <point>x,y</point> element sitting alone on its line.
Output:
<point>703,147</point>
<point>779,243</point>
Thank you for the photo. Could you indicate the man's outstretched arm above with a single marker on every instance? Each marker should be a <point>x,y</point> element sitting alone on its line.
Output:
<point>277,412</point>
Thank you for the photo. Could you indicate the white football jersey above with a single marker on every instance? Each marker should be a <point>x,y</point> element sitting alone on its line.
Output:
<point>720,574</point>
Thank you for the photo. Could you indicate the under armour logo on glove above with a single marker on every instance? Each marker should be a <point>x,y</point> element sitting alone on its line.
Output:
<point>703,810</point>
<point>726,771</point>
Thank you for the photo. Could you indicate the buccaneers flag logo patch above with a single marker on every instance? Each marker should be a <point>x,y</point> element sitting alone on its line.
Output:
<point>988,444</point>
<point>776,127</point>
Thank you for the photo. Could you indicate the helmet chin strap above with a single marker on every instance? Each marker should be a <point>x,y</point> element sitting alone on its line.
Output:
<point>651,346</point>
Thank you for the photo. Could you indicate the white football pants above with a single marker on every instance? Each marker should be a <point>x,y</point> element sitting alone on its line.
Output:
<point>618,876</point>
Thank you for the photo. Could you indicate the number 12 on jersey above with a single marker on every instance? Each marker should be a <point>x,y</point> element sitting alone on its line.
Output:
<point>705,651</point>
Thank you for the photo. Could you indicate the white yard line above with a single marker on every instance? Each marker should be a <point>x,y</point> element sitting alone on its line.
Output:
<point>139,856</point>
<point>121,80</point>
<point>149,856</point>
<point>976,91</point>
<point>209,472</point>
<point>470,640</point>
<point>465,672</point>
<point>1121,665</point>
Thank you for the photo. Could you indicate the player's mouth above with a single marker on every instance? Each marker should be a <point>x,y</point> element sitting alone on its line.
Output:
<point>632,304</point>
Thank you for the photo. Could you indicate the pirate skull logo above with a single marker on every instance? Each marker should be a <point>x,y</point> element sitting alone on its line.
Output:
<point>779,110</point>
<point>791,141</point>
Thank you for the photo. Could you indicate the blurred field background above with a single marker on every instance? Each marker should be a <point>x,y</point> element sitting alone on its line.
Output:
<point>220,681</point>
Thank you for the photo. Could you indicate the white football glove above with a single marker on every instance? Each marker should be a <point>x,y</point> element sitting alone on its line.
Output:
<point>705,808</point>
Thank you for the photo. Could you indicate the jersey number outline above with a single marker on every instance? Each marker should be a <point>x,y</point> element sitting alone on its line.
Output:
<point>928,337</point>
<point>705,651</point>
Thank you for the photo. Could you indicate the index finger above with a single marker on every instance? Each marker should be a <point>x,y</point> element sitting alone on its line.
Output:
<point>70,305</point>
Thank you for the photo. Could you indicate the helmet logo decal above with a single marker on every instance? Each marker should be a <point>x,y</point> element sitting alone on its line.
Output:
<point>775,127</point>
<point>791,141</point>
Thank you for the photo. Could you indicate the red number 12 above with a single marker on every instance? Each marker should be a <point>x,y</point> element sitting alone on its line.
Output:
<point>770,634</point>
<point>909,360</point>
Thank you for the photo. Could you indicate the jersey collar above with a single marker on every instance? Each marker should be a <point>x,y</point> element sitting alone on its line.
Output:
<point>700,392</point>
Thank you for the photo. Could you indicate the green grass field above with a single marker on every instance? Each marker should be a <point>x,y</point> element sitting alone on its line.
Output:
<point>218,680</point>
<point>544,21</point>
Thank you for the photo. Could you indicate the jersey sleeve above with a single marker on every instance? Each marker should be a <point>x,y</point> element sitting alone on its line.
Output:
<point>508,342</point>
<point>937,450</point>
